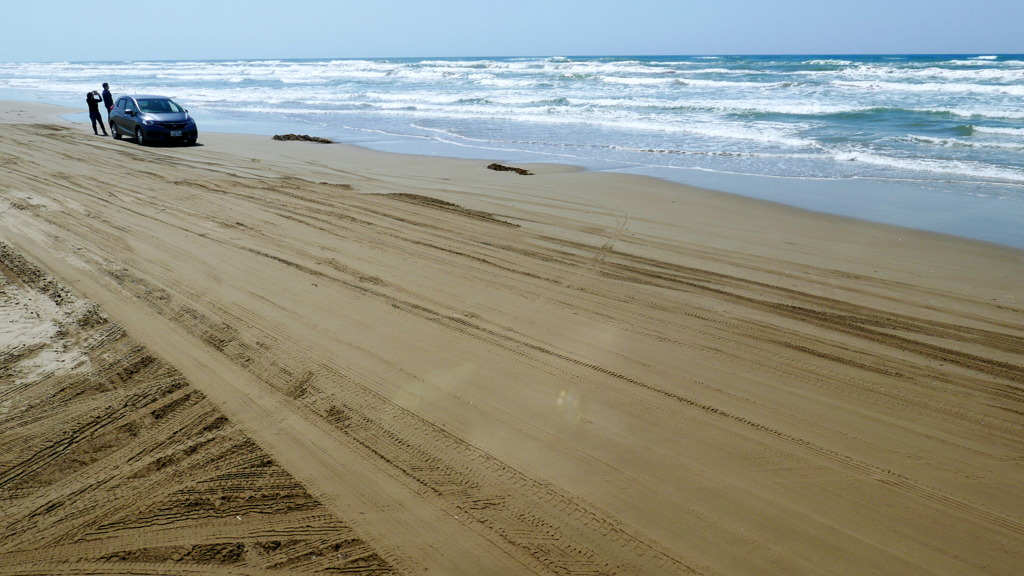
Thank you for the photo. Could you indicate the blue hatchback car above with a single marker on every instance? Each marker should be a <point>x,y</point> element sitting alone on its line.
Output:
<point>151,119</point>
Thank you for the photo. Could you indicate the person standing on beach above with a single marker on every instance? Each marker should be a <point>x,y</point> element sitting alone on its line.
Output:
<point>108,100</point>
<point>93,99</point>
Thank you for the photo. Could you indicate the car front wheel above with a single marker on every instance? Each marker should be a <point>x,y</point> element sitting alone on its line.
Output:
<point>139,137</point>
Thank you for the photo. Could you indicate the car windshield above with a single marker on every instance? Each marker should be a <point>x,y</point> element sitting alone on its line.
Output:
<point>159,105</point>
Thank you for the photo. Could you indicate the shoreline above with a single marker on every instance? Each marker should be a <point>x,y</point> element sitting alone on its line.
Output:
<point>988,216</point>
<point>291,358</point>
<point>622,206</point>
<point>61,113</point>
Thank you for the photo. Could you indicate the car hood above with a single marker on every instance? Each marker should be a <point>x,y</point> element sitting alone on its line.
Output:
<point>168,116</point>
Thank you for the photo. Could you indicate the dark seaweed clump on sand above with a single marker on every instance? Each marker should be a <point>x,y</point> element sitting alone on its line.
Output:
<point>302,138</point>
<point>503,168</point>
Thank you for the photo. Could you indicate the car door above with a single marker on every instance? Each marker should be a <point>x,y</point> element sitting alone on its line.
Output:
<point>117,115</point>
<point>122,117</point>
<point>131,115</point>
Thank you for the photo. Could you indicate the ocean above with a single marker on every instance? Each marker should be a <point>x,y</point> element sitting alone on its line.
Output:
<point>933,142</point>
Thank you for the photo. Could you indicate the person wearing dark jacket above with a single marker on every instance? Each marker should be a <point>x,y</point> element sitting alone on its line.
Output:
<point>93,99</point>
<point>108,100</point>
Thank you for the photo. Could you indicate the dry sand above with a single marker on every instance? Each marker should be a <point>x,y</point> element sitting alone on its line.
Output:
<point>260,357</point>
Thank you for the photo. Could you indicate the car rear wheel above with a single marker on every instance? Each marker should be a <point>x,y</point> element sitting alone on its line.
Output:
<point>114,131</point>
<point>139,137</point>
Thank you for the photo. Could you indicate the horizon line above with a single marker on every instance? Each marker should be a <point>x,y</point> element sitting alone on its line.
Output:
<point>694,55</point>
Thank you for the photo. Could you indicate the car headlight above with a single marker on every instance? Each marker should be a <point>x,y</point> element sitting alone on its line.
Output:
<point>148,121</point>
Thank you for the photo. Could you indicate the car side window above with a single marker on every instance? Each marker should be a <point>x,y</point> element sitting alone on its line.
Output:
<point>129,105</point>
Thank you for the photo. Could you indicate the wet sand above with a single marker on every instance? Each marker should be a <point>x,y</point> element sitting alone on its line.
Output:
<point>263,357</point>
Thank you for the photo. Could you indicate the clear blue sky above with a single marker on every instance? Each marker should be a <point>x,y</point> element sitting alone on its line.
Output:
<point>80,30</point>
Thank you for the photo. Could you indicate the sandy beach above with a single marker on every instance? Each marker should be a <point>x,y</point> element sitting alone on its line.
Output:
<point>263,357</point>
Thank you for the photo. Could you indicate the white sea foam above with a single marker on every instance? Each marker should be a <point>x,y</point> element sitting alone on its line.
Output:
<point>961,170</point>
<point>830,62</point>
<point>634,81</point>
<point>960,142</point>
<point>794,107</point>
<point>935,87</point>
<point>518,84</point>
<point>1009,113</point>
<point>998,130</point>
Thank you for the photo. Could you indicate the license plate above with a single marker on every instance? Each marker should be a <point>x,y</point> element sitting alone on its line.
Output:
<point>175,133</point>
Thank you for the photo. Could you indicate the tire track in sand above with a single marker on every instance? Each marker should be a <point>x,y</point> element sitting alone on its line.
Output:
<point>116,464</point>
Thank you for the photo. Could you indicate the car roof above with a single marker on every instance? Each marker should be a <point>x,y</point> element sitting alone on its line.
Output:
<point>149,97</point>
